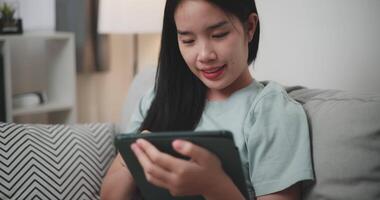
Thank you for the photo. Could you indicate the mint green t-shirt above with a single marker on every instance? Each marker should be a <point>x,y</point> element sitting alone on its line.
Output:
<point>270,130</point>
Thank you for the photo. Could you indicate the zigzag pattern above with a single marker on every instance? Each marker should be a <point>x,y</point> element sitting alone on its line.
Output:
<point>54,161</point>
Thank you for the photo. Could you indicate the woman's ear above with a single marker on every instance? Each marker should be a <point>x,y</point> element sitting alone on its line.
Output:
<point>252,22</point>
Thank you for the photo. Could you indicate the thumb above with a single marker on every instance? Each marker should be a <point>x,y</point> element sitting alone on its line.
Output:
<point>195,152</point>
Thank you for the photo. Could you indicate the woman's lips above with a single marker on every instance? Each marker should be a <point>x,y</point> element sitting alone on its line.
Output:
<point>213,73</point>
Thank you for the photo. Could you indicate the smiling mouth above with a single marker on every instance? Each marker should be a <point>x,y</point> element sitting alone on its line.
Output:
<point>214,73</point>
<point>214,70</point>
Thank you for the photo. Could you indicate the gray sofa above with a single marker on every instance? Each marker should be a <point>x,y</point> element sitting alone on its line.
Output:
<point>69,161</point>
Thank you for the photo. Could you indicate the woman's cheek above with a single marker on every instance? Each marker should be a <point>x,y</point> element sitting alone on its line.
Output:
<point>189,58</point>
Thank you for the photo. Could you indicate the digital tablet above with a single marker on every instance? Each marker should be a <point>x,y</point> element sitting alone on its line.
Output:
<point>220,143</point>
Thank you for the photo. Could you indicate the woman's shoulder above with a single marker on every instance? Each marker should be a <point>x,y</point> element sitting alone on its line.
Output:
<point>270,88</point>
<point>271,93</point>
<point>275,109</point>
<point>273,102</point>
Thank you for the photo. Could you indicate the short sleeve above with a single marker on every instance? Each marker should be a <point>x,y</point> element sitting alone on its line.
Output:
<point>140,112</point>
<point>278,144</point>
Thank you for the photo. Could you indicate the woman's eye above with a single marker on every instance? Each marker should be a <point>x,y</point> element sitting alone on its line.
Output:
<point>187,41</point>
<point>221,35</point>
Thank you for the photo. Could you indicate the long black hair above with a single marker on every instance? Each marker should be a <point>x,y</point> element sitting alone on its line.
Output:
<point>180,96</point>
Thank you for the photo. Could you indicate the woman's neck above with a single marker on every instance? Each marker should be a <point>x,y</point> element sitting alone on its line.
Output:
<point>242,81</point>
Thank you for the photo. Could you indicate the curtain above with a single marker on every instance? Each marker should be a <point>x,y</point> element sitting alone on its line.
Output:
<point>81,18</point>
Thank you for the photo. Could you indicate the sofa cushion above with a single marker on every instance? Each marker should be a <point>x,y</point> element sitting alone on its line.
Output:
<point>54,161</point>
<point>345,133</point>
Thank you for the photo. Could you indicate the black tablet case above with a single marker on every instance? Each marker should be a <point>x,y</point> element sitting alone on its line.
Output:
<point>220,143</point>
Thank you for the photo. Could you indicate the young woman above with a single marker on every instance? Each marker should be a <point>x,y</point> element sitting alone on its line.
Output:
<point>203,83</point>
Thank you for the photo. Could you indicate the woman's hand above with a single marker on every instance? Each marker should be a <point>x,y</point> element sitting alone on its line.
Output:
<point>201,175</point>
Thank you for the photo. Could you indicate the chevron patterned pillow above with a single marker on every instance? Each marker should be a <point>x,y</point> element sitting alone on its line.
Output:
<point>54,161</point>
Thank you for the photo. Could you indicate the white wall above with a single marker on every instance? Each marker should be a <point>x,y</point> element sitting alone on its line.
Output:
<point>37,15</point>
<point>320,43</point>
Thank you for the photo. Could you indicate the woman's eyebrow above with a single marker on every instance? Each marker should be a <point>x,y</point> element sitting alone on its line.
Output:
<point>184,32</point>
<point>217,25</point>
<point>209,28</point>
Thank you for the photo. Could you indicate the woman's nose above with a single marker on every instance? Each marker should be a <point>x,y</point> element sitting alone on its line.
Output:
<point>206,53</point>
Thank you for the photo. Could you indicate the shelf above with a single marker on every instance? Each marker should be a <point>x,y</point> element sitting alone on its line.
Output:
<point>40,61</point>
<point>39,34</point>
<point>45,108</point>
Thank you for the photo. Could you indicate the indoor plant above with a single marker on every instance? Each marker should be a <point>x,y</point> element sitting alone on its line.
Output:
<point>8,22</point>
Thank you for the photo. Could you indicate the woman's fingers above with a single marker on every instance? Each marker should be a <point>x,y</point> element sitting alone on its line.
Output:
<point>153,173</point>
<point>157,181</point>
<point>157,157</point>
<point>173,173</point>
<point>195,152</point>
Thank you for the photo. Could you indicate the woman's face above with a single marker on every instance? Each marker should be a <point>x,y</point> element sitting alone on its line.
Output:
<point>214,45</point>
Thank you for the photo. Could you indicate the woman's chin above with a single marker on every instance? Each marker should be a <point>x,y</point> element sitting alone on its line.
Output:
<point>215,85</point>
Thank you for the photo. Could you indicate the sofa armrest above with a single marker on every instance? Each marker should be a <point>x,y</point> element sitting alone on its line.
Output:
<point>345,136</point>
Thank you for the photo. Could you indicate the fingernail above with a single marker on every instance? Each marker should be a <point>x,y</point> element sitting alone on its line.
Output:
<point>178,144</point>
<point>133,146</point>
<point>139,141</point>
